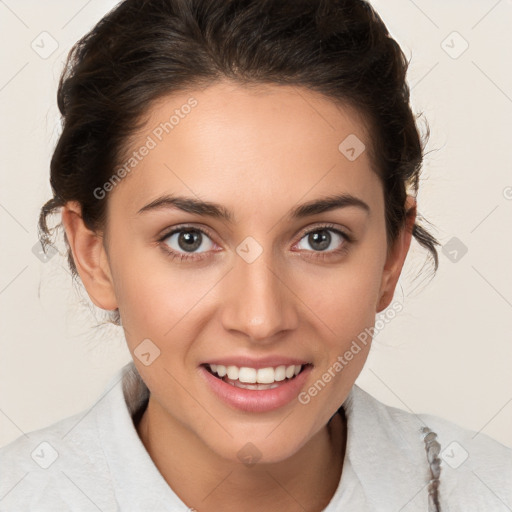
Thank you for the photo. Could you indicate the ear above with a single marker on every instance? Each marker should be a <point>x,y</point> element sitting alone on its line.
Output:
<point>89,256</point>
<point>396,257</point>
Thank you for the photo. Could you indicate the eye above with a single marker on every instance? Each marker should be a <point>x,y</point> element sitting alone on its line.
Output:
<point>325,239</point>
<point>184,242</point>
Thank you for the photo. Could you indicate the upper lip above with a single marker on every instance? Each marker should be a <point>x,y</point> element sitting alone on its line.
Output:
<point>250,362</point>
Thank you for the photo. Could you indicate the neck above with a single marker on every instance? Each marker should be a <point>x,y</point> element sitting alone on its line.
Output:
<point>207,482</point>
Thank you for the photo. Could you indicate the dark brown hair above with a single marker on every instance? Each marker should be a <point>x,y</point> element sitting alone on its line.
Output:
<point>146,49</point>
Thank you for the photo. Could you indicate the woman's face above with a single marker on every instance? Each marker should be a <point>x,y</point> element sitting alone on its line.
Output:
<point>271,284</point>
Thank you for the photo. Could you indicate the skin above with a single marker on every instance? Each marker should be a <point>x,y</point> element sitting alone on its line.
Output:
<point>259,152</point>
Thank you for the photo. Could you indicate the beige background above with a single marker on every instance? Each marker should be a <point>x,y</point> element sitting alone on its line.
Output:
<point>448,352</point>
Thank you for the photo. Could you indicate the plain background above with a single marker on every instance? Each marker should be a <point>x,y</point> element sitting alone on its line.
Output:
<point>448,352</point>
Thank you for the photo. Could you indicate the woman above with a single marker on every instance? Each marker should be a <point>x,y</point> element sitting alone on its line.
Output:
<point>237,184</point>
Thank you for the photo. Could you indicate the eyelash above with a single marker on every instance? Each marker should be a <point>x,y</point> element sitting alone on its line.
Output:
<point>322,255</point>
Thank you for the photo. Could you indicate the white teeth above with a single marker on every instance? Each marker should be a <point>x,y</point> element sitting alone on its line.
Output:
<point>280,373</point>
<point>238,384</point>
<point>247,375</point>
<point>233,372</point>
<point>266,375</point>
<point>262,376</point>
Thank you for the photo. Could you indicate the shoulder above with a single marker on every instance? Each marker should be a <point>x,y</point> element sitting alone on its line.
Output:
<point>473,464</point>
<point>475,470</point>
<point>55,468</point>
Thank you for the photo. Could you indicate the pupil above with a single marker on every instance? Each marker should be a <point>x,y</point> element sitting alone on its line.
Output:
<point>189,240</point>
<point>324,239</point>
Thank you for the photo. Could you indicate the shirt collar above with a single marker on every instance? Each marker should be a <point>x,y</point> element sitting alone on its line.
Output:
<point>385,456</point>
<point>137,482</point>
<point>387,452</point>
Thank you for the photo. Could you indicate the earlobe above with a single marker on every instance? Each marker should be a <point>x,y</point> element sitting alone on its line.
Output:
<point>89,256</point>
<point>396,257</point>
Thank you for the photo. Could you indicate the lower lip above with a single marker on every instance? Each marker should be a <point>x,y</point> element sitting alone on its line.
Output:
<point>261,400</point>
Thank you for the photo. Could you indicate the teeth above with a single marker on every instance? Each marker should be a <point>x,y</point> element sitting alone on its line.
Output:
<point>238,384</point>
<point>280,373</point>
<point>248,375</point>
<point>233,372</point>
<point>256,376</point>
<point>265,376</point>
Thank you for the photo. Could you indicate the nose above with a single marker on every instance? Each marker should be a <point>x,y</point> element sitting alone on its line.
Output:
<point>259,303</point>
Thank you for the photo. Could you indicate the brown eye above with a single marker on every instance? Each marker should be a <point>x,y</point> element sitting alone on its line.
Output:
<point>184,243</point>
<point>321,239</point>
<point>189,240</point>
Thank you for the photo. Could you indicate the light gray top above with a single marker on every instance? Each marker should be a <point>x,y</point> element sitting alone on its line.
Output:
<point>95,461</point>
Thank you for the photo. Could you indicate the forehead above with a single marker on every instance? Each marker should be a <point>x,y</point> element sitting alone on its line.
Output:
<point>253,145</point>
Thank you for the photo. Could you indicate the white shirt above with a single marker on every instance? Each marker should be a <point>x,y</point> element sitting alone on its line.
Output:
<point>95,460</point>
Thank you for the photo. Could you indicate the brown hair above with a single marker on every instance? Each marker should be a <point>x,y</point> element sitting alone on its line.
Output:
<point>145,49</point>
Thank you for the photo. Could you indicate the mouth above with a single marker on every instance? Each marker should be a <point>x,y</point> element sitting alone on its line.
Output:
<point>257,379</point>
<point>256,390</point>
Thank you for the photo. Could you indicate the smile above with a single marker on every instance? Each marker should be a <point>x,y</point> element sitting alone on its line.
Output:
<point>253,378</point>
<point>256,389</point>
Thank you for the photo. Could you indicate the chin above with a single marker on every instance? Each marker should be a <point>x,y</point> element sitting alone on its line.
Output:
<point>260,448</point>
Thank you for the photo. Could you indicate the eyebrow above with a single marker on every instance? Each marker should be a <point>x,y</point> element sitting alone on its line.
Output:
<point>214,210</point>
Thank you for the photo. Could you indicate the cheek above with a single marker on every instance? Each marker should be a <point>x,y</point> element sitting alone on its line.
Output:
<point>157,299</point>
<point>345,297</point>
<point>144,292</point>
